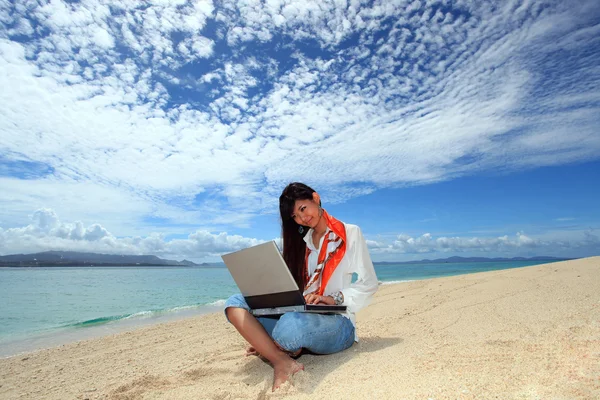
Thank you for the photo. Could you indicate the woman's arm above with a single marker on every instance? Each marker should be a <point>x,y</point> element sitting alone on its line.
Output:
<point>359,293</point>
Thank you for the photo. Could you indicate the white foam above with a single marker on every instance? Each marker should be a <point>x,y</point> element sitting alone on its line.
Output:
<point>181,308</point>
<point>141,314</point>
<point>395,282</point>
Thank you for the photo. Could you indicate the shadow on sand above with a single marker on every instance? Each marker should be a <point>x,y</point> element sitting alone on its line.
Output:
<point>317,367</point>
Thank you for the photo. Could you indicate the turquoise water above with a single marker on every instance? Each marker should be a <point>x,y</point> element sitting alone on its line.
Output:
<point>37,304</point>
<point>418,271</point>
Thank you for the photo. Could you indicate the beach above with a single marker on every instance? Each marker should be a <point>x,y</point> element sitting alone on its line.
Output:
<point>524,333</point>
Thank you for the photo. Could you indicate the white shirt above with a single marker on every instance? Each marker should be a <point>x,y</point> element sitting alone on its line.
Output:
<point>357,261</point>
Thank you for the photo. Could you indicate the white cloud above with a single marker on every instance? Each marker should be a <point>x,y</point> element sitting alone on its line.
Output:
<point>102,38</point>
<point>47,232</point>
<point>427,246</point>
<point>147,107</point>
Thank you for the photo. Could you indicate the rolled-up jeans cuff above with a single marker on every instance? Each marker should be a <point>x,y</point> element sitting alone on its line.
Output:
<point>236,301</point>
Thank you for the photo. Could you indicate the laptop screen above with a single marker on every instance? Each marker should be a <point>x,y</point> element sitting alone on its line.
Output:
<point>260,270</point>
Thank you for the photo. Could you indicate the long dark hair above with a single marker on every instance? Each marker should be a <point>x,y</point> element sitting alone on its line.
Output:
<point>294,246</point>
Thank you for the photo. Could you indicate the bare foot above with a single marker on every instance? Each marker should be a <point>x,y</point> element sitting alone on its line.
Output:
<point>251,351</point>
<point>296,354</point>
<point>284,369</point>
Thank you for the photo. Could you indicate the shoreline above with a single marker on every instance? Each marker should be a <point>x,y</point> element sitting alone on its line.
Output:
<point>20,342</point>
<point>60,336</point>
<point>39,341</point>
<point>530,332</point>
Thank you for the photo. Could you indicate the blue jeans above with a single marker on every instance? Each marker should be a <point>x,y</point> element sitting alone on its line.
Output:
<point>317,333</point>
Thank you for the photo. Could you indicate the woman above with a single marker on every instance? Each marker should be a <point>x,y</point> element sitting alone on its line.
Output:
<point>322,253</point>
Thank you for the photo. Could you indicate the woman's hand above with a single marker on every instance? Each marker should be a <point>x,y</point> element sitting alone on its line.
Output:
<point>317,299</point>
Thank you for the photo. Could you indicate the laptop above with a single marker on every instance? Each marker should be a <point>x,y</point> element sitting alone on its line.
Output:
<point>267,284</point>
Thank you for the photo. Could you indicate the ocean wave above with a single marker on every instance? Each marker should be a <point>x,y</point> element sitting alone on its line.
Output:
<point>394,282</point>
<point>97,321</point>
<point>143,314</point>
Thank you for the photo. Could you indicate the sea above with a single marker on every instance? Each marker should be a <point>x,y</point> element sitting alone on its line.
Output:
<point>42,307</point>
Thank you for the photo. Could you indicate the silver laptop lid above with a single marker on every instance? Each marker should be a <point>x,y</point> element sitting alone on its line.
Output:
<point>260,270</point>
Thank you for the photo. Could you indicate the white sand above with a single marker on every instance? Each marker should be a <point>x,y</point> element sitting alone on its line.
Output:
<point>527,333</point>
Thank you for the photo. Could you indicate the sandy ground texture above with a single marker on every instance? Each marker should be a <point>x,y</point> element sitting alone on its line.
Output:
<point>527,333</point>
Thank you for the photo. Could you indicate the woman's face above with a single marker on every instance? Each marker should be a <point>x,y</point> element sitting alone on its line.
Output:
<point>306,212</point>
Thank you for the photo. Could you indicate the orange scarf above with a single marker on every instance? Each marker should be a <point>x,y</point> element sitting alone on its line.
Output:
<point>327,262</point>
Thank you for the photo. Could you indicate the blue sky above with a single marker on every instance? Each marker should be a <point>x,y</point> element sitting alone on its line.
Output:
<point>170,128</point>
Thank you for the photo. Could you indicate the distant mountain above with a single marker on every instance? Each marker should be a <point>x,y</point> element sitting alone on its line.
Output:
<point>72,258</point>
<point>473,259</point>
